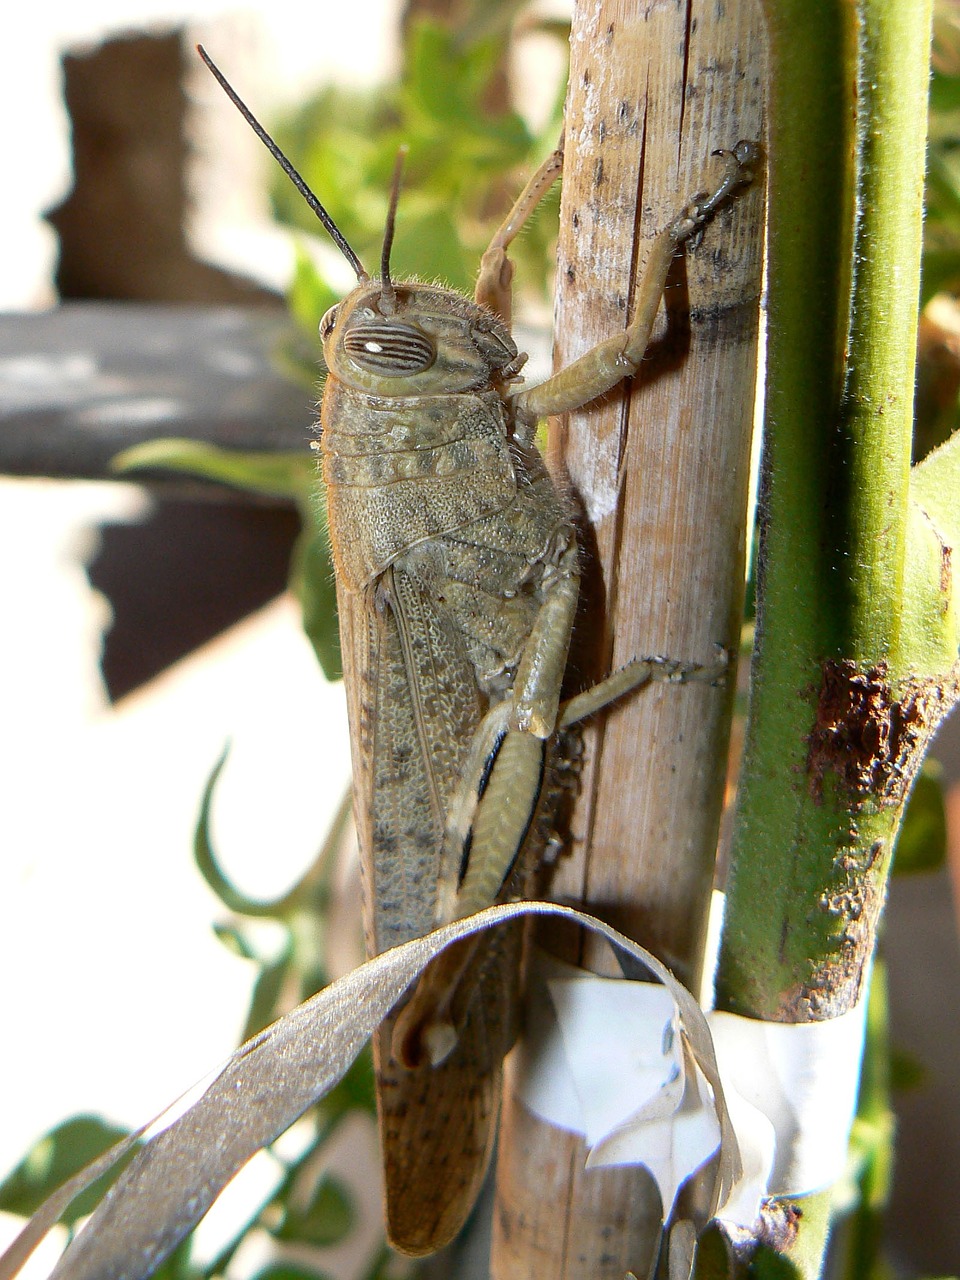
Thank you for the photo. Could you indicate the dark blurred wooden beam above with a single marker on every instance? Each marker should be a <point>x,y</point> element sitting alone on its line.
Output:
<point>121,227</point>
<point>80,383</point>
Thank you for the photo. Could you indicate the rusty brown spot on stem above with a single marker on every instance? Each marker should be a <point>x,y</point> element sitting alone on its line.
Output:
<point>871,733</point>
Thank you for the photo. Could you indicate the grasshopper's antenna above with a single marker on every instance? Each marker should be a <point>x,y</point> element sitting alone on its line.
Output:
<point>388,295</point>
<point>335,232</point>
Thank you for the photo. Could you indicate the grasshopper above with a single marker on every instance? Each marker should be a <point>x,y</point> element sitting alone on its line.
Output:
<point>457,576</point>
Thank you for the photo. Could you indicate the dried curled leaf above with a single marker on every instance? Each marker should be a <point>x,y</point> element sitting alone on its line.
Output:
<point>266,1085</point>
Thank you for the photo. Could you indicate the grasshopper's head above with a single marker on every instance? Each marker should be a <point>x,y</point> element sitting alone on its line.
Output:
<point>413,339</point>
<point>425,341</point>
<point>398,340</point>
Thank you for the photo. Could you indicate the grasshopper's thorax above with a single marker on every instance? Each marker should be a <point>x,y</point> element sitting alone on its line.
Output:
<point>420,340</point>
<point>416,435</point>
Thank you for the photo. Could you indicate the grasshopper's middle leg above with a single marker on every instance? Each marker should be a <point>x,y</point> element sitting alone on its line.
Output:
<point>504,786</point>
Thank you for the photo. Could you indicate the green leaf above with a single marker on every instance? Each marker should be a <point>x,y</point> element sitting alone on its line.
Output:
<point>57,1156</point>
<point>767,1264</point>
<point>935,486</point>
<point>383,1266</point>
<point>335,140</point>
<point>206,859</point>
<point>445,83</point>
<point>931,610</point>
<point>312,582</point>
<point>327,1219</point>
<point>309,296</point>
<point>427,245</point>
<point>284,475</point>
<point>714,1258</point>
<point>234,940</point>
<point>922,843</point>
<point>355,1092</point>
<point>264,1001</point>
<point>943,189</point>
<point>944,92</point>
<point>906,1071</point>
<point>940,273</point>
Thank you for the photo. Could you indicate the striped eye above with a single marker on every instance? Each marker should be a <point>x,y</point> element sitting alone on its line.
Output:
<point>391,349</point>
<point>328,321</point>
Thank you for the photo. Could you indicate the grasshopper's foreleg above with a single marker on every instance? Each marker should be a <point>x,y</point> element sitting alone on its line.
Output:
<point>496,270</point>
<point>619,357</point>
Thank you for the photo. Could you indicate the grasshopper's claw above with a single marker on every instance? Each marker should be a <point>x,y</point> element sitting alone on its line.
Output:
<point>740,161</point>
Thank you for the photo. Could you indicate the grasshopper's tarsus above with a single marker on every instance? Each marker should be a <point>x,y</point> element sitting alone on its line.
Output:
<point>690,225</point>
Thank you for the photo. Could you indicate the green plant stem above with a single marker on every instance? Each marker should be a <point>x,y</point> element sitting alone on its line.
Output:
<point>825,776</point>
<point>839,416</point>
<point>871,440</point>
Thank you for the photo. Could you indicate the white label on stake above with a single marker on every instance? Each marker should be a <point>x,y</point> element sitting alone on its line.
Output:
<point>603,1058</point>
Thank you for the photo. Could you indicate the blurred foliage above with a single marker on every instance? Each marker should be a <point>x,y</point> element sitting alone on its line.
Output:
<point>941,262</point>
<point>469,150</point>
<point>938,370</point>
<point>922,842</point>
<point>57,1156</point>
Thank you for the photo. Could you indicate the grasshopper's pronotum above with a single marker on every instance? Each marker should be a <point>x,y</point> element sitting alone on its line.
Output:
<point>457,582</point>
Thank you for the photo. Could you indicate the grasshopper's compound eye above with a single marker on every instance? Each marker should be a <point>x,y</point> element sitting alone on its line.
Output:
<point>327,323</point>
<point>391,349</point>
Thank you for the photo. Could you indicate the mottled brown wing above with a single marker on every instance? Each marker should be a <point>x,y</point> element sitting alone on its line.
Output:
<point>438,1124</point>
<point>414,707</point>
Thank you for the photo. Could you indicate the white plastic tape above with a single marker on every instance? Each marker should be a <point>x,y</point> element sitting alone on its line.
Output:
<point>804,1078</point>
<point>603,1058</point>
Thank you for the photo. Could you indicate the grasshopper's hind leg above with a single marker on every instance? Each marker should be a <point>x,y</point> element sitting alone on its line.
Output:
<point>502,794</point>
<point>494,283</point>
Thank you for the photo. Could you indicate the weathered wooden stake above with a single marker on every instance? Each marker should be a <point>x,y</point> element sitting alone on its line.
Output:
<point>661,468</point>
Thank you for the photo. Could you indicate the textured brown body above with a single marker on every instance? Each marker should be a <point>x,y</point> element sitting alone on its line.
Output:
<point>457,585</point>
<point>448,534</point>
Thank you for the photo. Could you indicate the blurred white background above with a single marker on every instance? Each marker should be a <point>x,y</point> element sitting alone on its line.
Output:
<point>99,1013</point>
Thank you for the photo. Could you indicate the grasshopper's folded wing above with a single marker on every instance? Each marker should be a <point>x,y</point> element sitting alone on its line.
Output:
<point>414,708</point>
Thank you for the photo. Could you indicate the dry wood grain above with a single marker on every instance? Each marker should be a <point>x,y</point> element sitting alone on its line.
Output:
<point>661,470</point>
